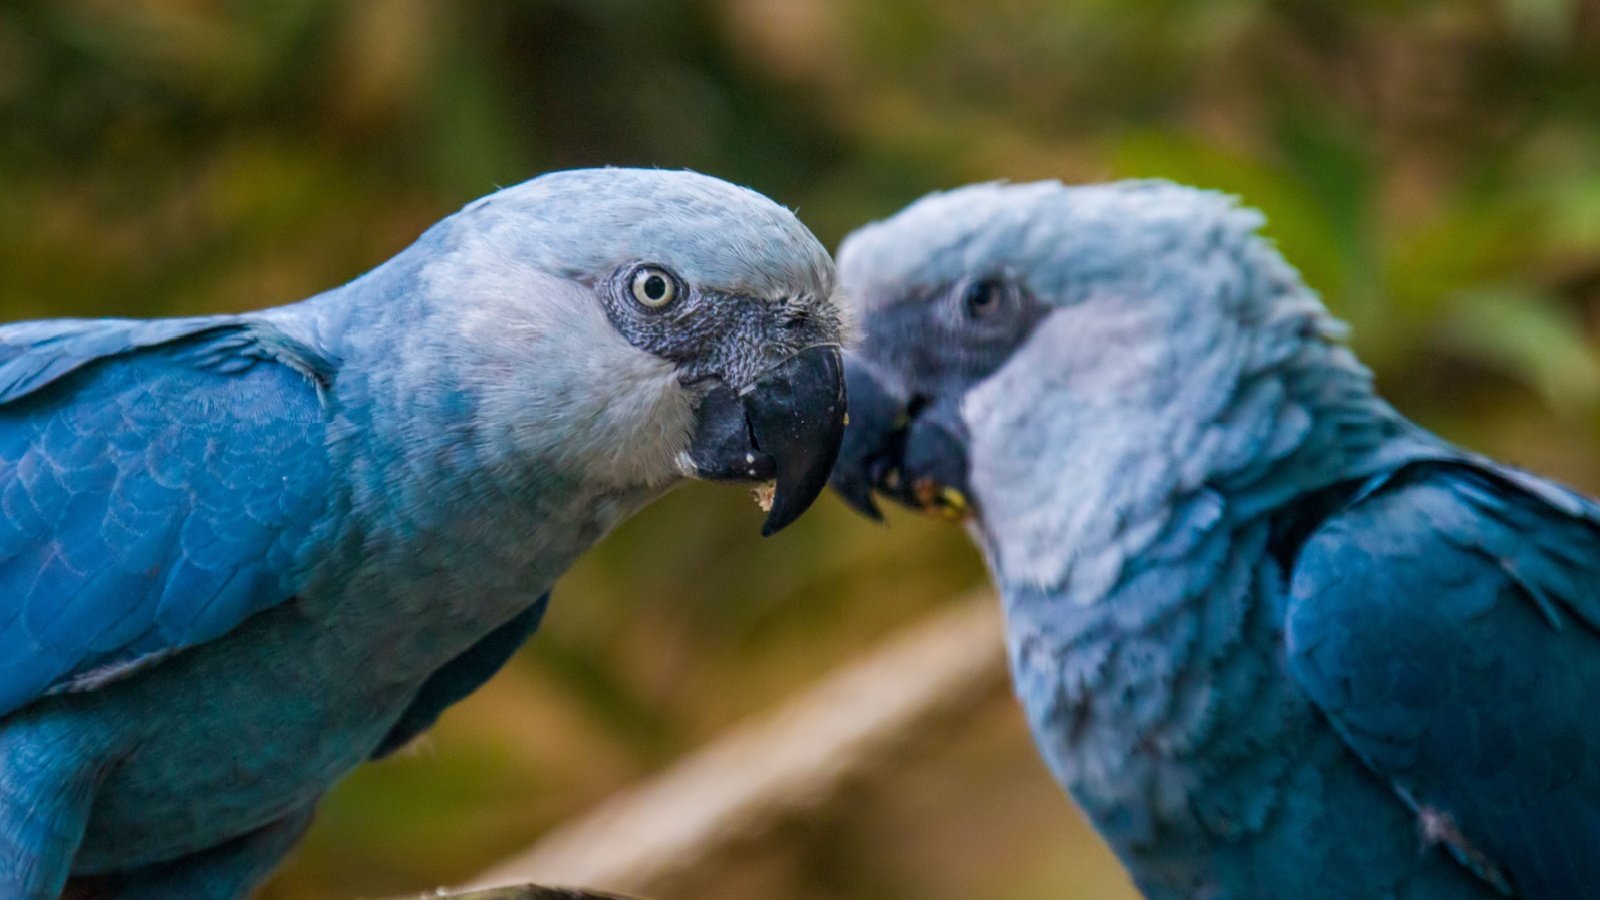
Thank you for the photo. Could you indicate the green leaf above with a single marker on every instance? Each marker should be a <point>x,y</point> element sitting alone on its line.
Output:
<point>1531,337</point>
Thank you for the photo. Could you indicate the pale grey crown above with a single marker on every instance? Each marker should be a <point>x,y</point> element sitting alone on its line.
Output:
<point>1062,242</point>
<point>583,224</point>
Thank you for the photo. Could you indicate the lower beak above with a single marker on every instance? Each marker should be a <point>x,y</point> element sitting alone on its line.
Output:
<point>786,426</point>
<point>916,457</point>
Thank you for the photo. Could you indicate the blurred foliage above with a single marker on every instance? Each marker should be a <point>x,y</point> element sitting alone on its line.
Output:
<point>1433,168</point>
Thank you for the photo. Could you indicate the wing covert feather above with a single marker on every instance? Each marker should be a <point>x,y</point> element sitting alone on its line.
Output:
<point>1445,626</point>
<point>153,494</point>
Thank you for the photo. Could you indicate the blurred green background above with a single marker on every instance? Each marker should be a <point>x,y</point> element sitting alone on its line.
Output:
<point>1432,167</point>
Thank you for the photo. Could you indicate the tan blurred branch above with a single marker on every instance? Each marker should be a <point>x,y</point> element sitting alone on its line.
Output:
<point>765,771</point>
<point>523,892</point>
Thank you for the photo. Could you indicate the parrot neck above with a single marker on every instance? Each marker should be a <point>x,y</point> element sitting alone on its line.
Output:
<point>1080,478</point>
<point>481,458</point>
<point>1146,647</point>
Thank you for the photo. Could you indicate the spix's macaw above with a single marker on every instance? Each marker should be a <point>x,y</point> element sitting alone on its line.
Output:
<point>239,555</point>
<point>1276,640</point>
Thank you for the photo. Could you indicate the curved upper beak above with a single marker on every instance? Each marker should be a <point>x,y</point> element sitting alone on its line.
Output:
<point>873,441</point>
<point>786,426</point>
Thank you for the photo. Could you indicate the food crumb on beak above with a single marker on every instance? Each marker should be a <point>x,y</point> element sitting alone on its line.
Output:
<point>940,500</point>
<point>763,494</point>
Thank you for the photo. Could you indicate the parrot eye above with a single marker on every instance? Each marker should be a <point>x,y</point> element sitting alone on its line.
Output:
<point>982,299</point>
<point>653,287</point>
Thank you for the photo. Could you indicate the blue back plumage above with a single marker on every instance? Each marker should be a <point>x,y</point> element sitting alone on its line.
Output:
<point>158,480</point>
<point>1448,624</point>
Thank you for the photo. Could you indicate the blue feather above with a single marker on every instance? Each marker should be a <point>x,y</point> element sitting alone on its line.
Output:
<point>455,680</point>
<point>115,500</point>
<point>1444,624</point>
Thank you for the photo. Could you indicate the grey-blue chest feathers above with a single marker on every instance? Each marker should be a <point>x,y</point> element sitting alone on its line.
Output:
<point>1167,710</point>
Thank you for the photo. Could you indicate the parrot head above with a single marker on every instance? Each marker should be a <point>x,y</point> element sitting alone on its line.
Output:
<point>1014,337</point>
<point>638,326</point>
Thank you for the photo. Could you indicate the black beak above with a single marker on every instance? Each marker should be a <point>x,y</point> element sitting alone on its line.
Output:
<point>874,439</point>
<point>911,450</point>
<point>787,426</point>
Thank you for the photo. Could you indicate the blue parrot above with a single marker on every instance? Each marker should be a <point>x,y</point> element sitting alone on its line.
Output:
<point>240,555</point>
<point>1276,640</point>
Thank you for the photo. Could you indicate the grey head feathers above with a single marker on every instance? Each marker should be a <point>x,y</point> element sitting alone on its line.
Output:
<point>583,223</point>
<point>515,327</point>
<point>1176,348</point>
<point>1060,241</point>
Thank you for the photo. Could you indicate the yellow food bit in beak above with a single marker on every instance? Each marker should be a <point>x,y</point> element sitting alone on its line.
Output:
<point>763,494</point>
<point>954,504</point>
<point>941,501</point>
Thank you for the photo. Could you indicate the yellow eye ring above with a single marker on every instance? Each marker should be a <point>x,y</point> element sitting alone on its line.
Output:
<point>653,287</point>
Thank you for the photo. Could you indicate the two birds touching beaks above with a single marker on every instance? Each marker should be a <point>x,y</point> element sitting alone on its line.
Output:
<point>1274,639</point>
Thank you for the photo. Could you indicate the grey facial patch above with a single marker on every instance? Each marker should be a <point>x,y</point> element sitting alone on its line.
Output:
<point>711,334</point>
<point>939,346</point>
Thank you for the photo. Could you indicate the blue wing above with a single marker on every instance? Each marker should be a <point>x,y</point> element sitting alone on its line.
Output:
<point>1448,624</point>
<point>156,480</point>
<point>461,676</point>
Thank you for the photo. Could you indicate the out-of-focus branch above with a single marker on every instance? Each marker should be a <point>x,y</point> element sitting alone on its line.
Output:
<point>767,770</point>
<point>524,892</point>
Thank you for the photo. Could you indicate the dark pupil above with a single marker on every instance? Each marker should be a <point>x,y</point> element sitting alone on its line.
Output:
<point>655,287</point>
<point>982,297</point>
